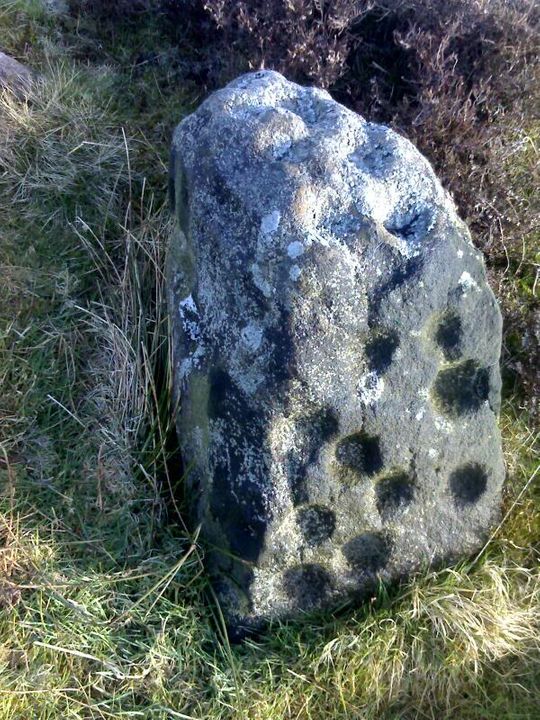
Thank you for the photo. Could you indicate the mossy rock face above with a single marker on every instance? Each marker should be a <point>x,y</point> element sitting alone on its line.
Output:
<point>336,353</point>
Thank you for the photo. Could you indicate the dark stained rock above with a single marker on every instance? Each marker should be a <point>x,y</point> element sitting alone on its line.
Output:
<point>336,353</point>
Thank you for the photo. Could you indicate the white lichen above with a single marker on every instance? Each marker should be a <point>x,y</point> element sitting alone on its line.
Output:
<point>295,249</point>
<point>190,325</point>
<point>270,222</point>
<point>467,282</point>
<point>370,388</point>
<point>260,281</point>
<point>295,272</point>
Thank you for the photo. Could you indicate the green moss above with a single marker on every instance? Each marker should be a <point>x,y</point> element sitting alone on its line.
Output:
<point>180,264</point>
<point>199,394</point>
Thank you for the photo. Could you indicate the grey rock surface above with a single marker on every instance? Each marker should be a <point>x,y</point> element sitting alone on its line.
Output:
<point>336,353</point>
<point>15,76</point>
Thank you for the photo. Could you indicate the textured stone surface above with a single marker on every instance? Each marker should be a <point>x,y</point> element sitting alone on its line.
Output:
<point>14,76</point>
<point>336,352</point>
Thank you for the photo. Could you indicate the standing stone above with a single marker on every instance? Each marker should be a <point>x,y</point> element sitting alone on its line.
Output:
<point>336,353</point>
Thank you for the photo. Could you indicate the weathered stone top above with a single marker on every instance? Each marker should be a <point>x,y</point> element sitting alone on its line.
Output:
<point>336,350</point>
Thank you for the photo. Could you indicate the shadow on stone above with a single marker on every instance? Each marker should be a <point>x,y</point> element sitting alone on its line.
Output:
<point>468,483</point>
<point>449,335</point>
<point>316,523</point>
<point>308,585</point>
<point>461,389</point>
<point>238,500</point>
<point>394,493</point>
<point>380,349</point>
<point>368,552</point>
<point>361,453</point>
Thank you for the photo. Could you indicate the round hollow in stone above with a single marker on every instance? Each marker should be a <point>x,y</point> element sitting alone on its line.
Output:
<point>449,335</point>
<point>307,585</point>
<point>368,552</point>
<point>360,452</point>
<point>468,483</point>
<point>461,388</point>
<point>394,493</point>
<point>317,524</point>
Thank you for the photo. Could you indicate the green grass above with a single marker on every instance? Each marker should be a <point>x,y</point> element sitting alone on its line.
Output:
<point>105,610</point>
